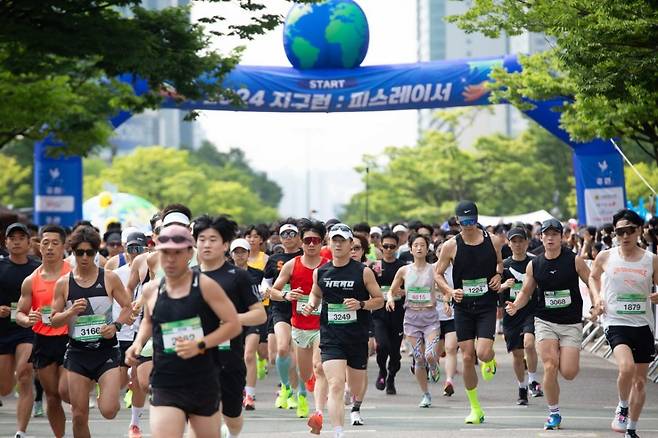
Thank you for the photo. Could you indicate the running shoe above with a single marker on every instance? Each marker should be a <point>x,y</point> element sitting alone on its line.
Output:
<point>292,401</point>
<point>134,431</point>
<point>128,399</point>
<point>281,401</point>
<point>435,373</point>
<point>355,418</point>
<point>523,397</point>
<point>535,389</point>
<point>224,431</point>
<point>390,386</point>
<point>261,368</point>
<point>302,407</point>
<point>620,421</point>
<point>380,384</point>
<point>249,403</point>
<point>475,417</point>
<point>553,422</point>
<point>426,401</point>
<point>631,434</point>
<point>315,423</point>
<point>448,390</point>
<point>488,370</point>
<point>310,384</point>
<point>38,409</point>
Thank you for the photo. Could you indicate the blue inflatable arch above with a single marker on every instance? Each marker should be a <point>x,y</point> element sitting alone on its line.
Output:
<point>598,167</point>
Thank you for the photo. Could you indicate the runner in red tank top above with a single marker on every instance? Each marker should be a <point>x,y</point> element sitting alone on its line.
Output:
<point>306,329</point>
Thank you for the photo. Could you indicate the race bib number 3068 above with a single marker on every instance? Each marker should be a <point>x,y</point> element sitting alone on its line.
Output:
<point>557,299</point>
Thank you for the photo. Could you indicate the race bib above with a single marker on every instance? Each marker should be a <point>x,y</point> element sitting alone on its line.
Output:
<point>475,288</point>
<point>340,314</point>
<point>514,290</point>
<point>303,301</point>
<point>14,311</point>
<point>419,296</point>
<point>224,346</point>
<point>46,311</point>
<point>557,299</point>
<point>87,328</point>
<point>183,330</point>
<point>631,304</point>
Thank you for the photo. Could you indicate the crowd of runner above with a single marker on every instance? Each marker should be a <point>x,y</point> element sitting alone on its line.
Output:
<point>194,313</point>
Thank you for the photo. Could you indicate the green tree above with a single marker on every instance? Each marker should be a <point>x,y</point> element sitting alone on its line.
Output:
<point>175,177</point>
<point>59,61</point>
<point>604,58</point>
<point>15,183</point>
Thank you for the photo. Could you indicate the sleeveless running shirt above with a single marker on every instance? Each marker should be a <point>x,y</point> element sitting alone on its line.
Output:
<point>419,286</point>
<point>188,317</point>
<point>85,328</point>
<point>42,300</point>
<point>626,289</point>
<point>557,296</point>
<point>338,325</point>
<point>473,267</point>
<point>302,278</point>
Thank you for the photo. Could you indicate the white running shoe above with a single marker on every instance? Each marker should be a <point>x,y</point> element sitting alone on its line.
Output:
<point>426,401</point>
<point>355,418</point>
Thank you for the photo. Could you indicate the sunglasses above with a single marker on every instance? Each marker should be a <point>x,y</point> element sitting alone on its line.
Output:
<point>87,252</point>
<point>288,234</point>
<point>136,249</point>
<point>622,231</point>
<point>175,239</point>
<point>468,222</point>
<point>341,228</point>
<point>357,248</point>
<point>311,240</point>
<point>388,246</point>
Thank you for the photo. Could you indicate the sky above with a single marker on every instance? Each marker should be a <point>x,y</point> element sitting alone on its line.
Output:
<point>316,153</point>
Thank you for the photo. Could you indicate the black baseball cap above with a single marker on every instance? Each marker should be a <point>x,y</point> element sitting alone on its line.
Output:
<point>516,232</point>
<point>113,237</point>
<point>466,210</point>
<point>551,224</point>
<point>136,238</point>
<point>16,226</point>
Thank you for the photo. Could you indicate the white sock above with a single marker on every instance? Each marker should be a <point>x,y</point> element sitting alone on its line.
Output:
<point>136,415</point>
<point>230,435</point>
<point>522,384</point>
<point>632,425</point>
<point>623,403</point>
<point>338,430</point>
<point>250,390</point>
<point>20,434</point>
<point>532,377</point>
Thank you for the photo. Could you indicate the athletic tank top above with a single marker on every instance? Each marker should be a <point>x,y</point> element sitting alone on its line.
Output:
<point>258,262</point>
<point>558,296</point>
<point>127,332</point>
<point>472,269</point>
<point>188,317</point>
<point>419,287</point>
<point>85,328</point>
<point>302,278</point>
<point>122,260</point>
<point>338,325</point>
<point>42,300</point>
<point>626,289</point>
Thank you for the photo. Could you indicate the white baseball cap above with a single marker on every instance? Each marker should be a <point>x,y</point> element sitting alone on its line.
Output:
<point>288,227</point>
<point>399,228</point>
<point>375,230</point>
<point>240,243</point>
<point>175,217</point>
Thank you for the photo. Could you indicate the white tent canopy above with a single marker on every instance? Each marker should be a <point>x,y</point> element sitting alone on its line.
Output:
<point>527,218</point>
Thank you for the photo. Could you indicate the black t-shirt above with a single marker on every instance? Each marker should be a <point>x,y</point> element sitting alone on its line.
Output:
<point>505,251</point>
<point>240,289</point>
<point>256,275</point>
<point>11,278</point>
<point>515,269</point>
<point>385,279</point>
<point>272,269</point>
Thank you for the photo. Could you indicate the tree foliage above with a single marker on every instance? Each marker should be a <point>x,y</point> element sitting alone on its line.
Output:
<point>604,58</point>
<point>175,177</point>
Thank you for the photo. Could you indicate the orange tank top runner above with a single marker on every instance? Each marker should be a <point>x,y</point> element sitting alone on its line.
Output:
<point>42,299</point>
<point>302,278</point>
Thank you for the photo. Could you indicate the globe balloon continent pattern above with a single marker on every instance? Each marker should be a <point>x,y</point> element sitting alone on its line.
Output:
<point>326,35</point>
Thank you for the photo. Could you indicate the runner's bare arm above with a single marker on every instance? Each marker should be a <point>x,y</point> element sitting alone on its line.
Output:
<point>446,256</point>
<point>494,283</point>
<point>376,300</point>
<point>60,316</point>
<point>582,269</point>
<point>145,326</point>
<point>315,297</point>
<point>24,308</point>
<point>118,292</point>
<point>135,277</point>
<point>396,288</point>
<point>284,277</point>
<point>595,281</point>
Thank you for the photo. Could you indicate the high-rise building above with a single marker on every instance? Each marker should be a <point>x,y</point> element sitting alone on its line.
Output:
<point>162,127</point>
<point>438,39</point>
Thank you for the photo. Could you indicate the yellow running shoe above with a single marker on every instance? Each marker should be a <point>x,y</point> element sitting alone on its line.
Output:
<point>292,400</point>
<point>488,369</point>
<point>281,401</point>
<point>128,399</point>
<point>302,407</point>
<point>261,368</point>
<point>475,417</point>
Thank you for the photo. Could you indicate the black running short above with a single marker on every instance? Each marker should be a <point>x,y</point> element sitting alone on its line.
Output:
<point>446,327</point>
<point>281,315</point>
<point>356,355</point>
<point>639,339</point>
<point>48,349</point>
<point>474,322</point>
<point>92,363</point>
<point>123,347</point>
<point>232,378</point>
<point>9,341</point>
<point>201,401</point>
<point>514,333</point>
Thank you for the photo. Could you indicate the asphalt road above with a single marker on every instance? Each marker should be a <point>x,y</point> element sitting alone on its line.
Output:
<point>587,406</point>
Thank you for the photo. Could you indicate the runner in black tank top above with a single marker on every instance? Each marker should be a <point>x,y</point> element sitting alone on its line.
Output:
<point>552,281</point>
<point>476,274</point>
<point>348,291</point>
<point>87,293</point>
<point>183,312</point>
